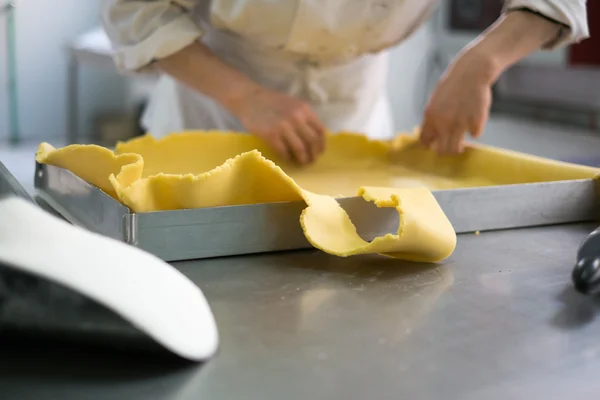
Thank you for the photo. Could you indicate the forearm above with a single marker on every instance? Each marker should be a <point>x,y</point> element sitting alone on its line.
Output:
<point>163,34</point>
<point>197,67</point>
<point>513,37</point>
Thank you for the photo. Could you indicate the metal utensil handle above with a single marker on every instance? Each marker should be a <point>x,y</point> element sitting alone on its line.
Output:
<point>586,274</point>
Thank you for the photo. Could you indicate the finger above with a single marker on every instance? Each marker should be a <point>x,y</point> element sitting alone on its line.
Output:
<point>428,133</point>
<point>317,126</point>
<point>454,140</point>
<point>311,139</point>
<point>435,145</point>
<point>321,132</point>
<point>280,147</point>
<point>476,128</point>
<point>448,139</point>
<point>442,143</point>
<point>295,144</point>
<point>311,128</point>
<point>440,139</point>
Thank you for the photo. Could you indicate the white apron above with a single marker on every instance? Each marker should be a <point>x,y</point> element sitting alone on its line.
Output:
<point>329,56</point>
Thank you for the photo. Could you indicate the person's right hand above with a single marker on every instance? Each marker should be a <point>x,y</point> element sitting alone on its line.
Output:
<point>287,124</point>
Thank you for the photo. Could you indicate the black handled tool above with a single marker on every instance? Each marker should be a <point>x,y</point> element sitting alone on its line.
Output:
<point>586,274</point>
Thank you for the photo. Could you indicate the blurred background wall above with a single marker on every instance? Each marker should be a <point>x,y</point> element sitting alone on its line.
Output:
<point>560,86</point>
<point>43,31</point>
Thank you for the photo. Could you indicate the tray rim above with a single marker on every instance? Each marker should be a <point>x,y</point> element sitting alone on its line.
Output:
<point>458,190</point>
<point>152,231</point>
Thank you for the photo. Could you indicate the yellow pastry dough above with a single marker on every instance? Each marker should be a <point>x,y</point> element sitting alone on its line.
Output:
<point>94,164</point>
<point>208,169</point>
<point>424,234</point>
<point>349,162</point>
<point>494,165</point>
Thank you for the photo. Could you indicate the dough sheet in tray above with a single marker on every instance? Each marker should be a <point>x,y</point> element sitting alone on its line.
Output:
<point>170,173</point>
<point>432,197</point>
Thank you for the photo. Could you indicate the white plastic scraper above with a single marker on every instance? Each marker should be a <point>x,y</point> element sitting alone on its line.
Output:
<point>143,290</point>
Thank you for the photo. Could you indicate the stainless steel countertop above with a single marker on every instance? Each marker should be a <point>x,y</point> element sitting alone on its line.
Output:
<point>498,320</point>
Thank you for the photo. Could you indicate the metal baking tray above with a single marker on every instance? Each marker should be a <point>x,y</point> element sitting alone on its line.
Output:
<point>10,186</point>
<point>235,230</point>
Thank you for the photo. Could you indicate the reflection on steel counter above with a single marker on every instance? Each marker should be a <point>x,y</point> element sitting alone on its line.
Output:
<point>499,321</point>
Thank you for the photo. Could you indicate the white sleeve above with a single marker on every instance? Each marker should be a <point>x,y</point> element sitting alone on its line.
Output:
<point>570,13</point>
<point>142,31</point>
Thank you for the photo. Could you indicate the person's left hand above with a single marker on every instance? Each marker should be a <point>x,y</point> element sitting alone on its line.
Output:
<point>459,104</point>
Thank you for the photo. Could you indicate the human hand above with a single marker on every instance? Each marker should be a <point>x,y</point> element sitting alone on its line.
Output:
<point>459,104</point>
<point>287,124</point>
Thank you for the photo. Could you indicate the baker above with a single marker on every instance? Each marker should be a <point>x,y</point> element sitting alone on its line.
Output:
<point>288,70</point>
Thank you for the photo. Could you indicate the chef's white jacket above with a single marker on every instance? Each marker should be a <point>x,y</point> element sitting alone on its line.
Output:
<point>326,52</point>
